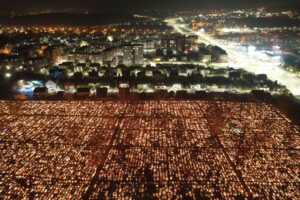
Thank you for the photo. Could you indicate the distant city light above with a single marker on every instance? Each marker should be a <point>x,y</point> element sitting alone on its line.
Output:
<point>276,48</point>
<point>110,38</point>
<point>8,75</point>
<point>251,49</point>
<point>84,43</point>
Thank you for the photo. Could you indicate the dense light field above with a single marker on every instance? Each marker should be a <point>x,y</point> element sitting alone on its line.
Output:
<point>147,150</point>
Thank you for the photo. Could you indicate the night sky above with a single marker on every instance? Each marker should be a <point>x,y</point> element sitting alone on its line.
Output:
<point>25,6</point>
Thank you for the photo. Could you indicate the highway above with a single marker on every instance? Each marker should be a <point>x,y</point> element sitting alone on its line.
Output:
<point>241,60</point>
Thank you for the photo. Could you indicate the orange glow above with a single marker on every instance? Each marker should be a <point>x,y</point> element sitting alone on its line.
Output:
<point>198,25</point>
<point>7,50</point>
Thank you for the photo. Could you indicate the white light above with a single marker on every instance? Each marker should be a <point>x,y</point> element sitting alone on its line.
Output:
<point>276,57</point>
<point>110,38</point>
<point>251,49</point>
<point>152,64</point>
<point>8,75</point>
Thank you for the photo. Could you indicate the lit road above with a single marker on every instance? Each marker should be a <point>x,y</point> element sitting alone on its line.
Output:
<point>238,59</point>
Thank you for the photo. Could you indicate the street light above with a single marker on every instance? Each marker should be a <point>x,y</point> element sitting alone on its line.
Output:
<point>8,75</point>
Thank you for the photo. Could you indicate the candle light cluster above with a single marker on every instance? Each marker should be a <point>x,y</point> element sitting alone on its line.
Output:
<point>147,150</point>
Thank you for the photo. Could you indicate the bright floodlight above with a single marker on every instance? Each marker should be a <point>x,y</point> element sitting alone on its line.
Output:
<point>8,75</point>
<point>110,38</point>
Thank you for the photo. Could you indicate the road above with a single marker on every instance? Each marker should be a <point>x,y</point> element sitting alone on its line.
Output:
<point>241,60</point>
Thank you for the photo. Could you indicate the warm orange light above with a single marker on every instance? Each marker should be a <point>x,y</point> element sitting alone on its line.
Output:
<point>7,50</point>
